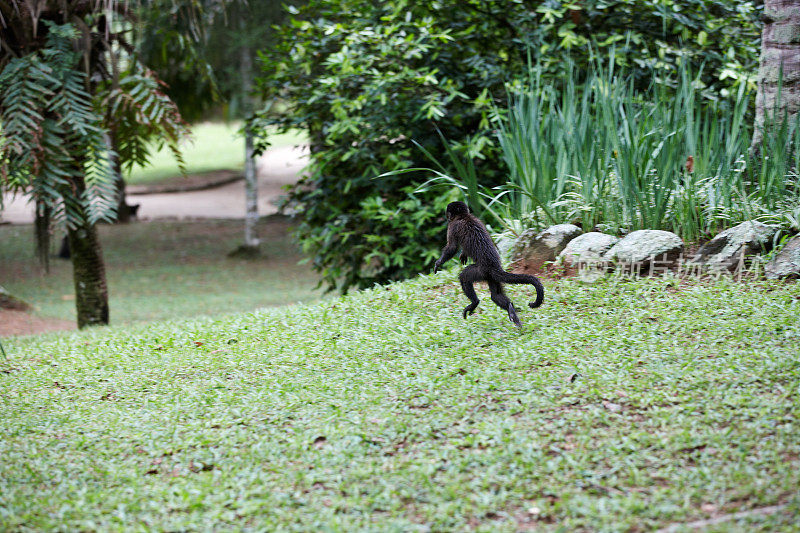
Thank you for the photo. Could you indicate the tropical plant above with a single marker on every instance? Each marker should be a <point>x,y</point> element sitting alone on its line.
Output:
<point>365,79</point>
<point>606,154</point>
<point>75,106</point>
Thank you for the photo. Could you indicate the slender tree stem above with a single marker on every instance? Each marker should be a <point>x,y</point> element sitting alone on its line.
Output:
<point>250,178</point>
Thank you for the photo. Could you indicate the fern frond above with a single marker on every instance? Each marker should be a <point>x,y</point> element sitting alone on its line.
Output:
<point>144,117</point>
<point>52,141</point>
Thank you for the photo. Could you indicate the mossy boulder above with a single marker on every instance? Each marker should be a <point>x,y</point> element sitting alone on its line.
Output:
<point>786,263</point>
<point>588,248</point>
<point>533,250</point>
<point>639,249</point>
<point>727,250</point>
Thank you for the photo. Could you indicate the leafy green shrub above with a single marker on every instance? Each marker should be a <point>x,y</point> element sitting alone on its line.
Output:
<point>384,241</point>
<point>367,78</point>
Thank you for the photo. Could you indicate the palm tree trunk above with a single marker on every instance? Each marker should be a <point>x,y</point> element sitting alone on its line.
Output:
<point>89,275</point>
<point>88,271</point>
<point>779,71</point>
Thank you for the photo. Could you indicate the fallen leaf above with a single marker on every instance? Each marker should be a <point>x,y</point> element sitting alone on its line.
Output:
<point>200,467</point>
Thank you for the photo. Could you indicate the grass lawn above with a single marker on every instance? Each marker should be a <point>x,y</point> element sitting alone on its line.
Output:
<point>165,269</point>
<point>214,146</point>
<point>620,406</point>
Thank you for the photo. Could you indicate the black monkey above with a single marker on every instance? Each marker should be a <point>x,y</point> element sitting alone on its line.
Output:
<point>466,231</point>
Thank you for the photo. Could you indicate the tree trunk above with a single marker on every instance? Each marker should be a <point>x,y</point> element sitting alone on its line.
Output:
<point>250,178</point>
<point>251,192</point>
<point>125,211</point>
<point>88,271</point>
<point>89,275</point>
<point>780,58</point>
<point>42,234</point>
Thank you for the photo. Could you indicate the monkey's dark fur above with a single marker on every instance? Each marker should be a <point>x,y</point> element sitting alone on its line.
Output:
<point>467,232</point>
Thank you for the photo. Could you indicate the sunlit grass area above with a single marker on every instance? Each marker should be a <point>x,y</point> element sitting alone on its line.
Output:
<point>214,146</point>
<point>166,269</point>
<point>619,406</point>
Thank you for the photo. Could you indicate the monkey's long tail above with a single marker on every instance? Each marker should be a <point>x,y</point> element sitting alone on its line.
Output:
<point>508,277</point>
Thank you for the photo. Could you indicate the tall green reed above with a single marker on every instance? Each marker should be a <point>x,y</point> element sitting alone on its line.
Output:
<point>596,151</point>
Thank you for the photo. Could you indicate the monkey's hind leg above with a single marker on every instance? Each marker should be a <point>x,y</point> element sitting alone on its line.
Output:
<point>499,297</point>
<point>468,277</point>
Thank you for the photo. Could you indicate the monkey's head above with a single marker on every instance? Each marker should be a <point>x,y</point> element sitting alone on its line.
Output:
<point>456,209</point>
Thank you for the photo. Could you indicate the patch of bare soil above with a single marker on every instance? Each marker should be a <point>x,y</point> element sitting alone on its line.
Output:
<point>21,323</point>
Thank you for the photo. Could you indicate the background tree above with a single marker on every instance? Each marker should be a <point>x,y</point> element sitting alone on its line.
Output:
<point>365,79</point>
<point>779,70</point>
<point>71,89</point>
<point>215,75</point>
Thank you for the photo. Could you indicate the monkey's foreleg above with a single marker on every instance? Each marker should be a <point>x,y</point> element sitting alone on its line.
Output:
<point>468,277</point>
<point>499,297</point>
<point>447,254</point>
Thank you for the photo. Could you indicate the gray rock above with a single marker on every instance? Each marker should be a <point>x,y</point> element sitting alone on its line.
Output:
<point>725,250</point>
<point>534,249</point>
<point>587,248</point>
<point>786,264</point>
<point>9,301</point>
<point>640,248</point>
<point>505,242</point>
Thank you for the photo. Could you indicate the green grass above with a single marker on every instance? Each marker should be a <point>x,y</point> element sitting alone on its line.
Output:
<point>620,406</point>
<point>214,146</point>
<point>166,269</point>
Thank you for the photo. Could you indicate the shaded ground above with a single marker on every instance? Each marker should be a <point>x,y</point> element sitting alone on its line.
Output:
<point>160,270</point>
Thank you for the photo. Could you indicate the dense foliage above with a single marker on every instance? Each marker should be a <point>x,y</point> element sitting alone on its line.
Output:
<point>367,78</point>
<point>48,118</point>
<point>205,75</point>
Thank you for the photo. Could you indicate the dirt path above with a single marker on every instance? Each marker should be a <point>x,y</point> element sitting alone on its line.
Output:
<point>276,168</point>
<point>22,323</point>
